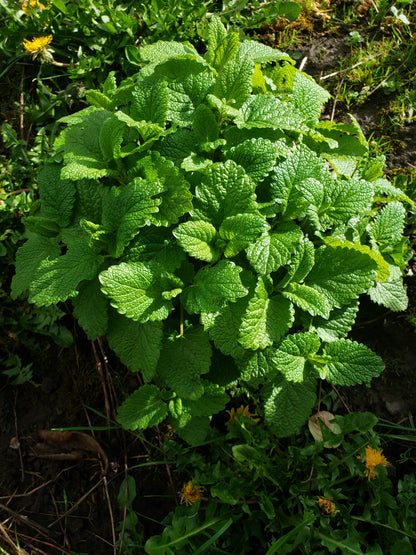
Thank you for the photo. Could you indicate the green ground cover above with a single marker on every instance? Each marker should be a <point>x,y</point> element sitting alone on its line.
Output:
<point>175,181</point>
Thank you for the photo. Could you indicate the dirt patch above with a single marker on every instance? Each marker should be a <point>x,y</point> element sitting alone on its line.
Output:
<point>63,496</point>
<point>319,50</point>
<point>39,491</point>
<point>391,336</point>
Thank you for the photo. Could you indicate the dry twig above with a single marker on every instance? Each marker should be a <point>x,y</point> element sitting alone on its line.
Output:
<point>336,99</point>
<point>341,398</point>
<point>75,505</point>
<point>4,533</point>
<point>334,73</point>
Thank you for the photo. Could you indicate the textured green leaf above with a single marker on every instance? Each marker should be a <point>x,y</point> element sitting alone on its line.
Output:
<point>72,119</point>
<point>140,291</point>
<point>196,162</point>
<point>155,244</point>
<point>110,84</point>
<point>122,94</point>
<point>224,191</point>
<point>164,50</point>
<point>193,79</point>
<point>307,299</point>
<point>28,258</point>
<point>83,156</point>
<point>225,51</point>
<point>189,81</point>
<point>213,287</point>
<point>181,108</point>
<point>256,156</point>
<point>241,230</point>
<point>91,309</point>
<point>182,362</point>
<point>388,226</point>
<point>288,405</point>
<point>382,267</point>
<point>175,196</point>
<point>349,197</point>
<point>86,169</point>
<point>143,409</point>
<point>99,238</point>
<point>308,97</point>
<point>205,124</point>
<point>265,110</point>
<point>150,100</point>
<point>220,106</point>
<point>257,367</point>
<point>310,197</point>
<point>147,130</point>
<point>99,100</point>
<point>293,354</point>
<point>178,145</point>
<point>301,262</point>
<point>266,319</point>
<point>350,363</point>
<point>390,293</point>
<point>233,85</point>
<point>42,226</point>
<point>274,249</point>
<point>235,135</point>
<point>223,327</point>
<point>259,52</point>
<point>258,80</point>
<point>297,176</point>
<point>137,345</point>
<point>344,146</point>
<point>341,274</point>
<point>127,208</point>
<point>384,187</point>
<point>57,279</point>
<point>111,137</point>
<point>216,35</point>
<point>90,197</point>
<point>282,76</point>
<point>374,168</point>
<point>213,401</point>
<point>337,325</point>
<point>192,429</point>
<point>198,239</point>
<point>57,195</point>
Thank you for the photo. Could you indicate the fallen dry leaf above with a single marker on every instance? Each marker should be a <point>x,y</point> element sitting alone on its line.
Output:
<point>67,445</point>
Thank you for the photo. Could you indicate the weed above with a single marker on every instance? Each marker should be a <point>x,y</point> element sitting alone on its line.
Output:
<point>281,497</point>
<point>175,198</point>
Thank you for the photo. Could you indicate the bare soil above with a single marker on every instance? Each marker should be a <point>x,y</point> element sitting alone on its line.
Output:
<point>320,49</point>
<point>59,494</point>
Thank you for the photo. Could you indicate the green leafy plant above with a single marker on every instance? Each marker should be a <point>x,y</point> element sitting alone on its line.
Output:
<point>127,529</point>
<point>202,218</point>
<point>250,493</point>
<point>21,324</point>
<point>296,497</point>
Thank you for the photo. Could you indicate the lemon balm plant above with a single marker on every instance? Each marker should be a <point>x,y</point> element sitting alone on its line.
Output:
<point>202,218</point>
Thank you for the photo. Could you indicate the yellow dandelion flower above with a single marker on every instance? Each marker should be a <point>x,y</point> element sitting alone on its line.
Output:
<point>32,5</point>
<point>373,457</point>
<point>189,493</point>
<point>38,46</point>
<point>244,411</point>
<point>327,506</point>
